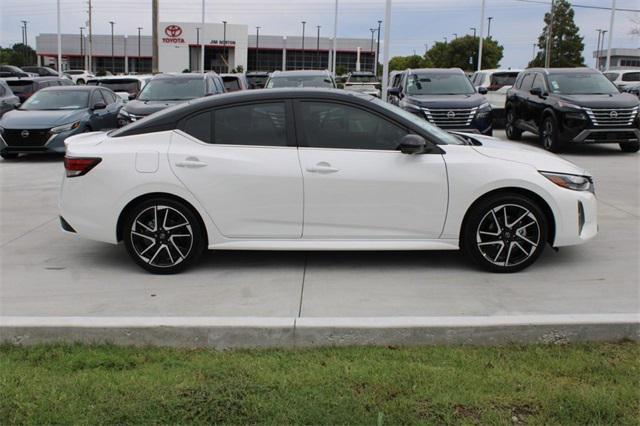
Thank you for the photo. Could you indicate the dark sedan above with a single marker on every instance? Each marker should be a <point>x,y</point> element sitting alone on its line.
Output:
<point>51,115</point>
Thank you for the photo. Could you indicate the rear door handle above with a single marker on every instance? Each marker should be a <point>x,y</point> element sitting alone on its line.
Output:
<point>191,163</point>
<point>322,167</point>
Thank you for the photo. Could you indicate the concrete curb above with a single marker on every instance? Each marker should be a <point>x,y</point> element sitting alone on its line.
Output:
<point>261,332</point>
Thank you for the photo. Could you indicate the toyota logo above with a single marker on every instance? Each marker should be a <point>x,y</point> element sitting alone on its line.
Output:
<point>173,31</point>
<point>613,114</point>
<point>24,133</point>
<point>451,114</point>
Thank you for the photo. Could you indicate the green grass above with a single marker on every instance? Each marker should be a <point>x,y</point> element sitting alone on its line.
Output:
<point>571,384</point>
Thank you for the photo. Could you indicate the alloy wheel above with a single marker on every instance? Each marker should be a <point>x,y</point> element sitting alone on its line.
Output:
<point>161,236</point>
<point>547,134</point>
<point>508,235</point>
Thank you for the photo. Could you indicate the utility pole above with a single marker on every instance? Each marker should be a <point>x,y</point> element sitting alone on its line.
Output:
<point>474,32</point>
<point>613,14</point>
<point>533,56</point>
<point>304,23</point>
<point>257,48</point>
<point>373,31</point>
<point>90,59</point>
<point>113,64</point>
<point>224,44</point>
<point>547,58</point>
<point>481,35</point>
<point>387,37</point>
<point>138,60</point>
<point>81,43</point>
<point>59,39</point>
<point>318,48</point>
<point>154,35</point>
<point>489,29</point>
<point>24,41</point>
<point>377,49</point>
<point>598,49</point>
<point>335,38</point>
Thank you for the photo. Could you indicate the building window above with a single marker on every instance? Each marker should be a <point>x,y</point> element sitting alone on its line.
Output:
<point>268,60</point>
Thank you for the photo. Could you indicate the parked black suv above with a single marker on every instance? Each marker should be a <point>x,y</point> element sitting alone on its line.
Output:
<point>444,97</point>
<point>572,105</point>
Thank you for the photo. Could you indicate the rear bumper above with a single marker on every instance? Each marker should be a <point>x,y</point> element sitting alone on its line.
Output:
<point>608,135</point>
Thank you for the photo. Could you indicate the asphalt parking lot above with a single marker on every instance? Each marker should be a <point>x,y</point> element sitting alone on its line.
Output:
<point>47,273</point>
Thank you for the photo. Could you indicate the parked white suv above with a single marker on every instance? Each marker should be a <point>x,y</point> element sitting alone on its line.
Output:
<point>623,78</point>
<point>79,76</point>
<point>497,82</point>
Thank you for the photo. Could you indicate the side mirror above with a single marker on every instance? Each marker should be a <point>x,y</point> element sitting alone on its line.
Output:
<point>99,105</point>
<point>482,90</point>
<point>394,91</point>
<point>16,106</point>
<point>536,91</point>
<point>132,96</point>
<point>413,144</point>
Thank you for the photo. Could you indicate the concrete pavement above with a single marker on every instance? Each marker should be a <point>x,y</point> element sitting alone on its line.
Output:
<point>45,273</point>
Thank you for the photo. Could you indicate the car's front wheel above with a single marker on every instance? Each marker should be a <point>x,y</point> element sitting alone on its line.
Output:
<point>630,146</point>
<point>163,235</point>
<point>549,134</point>
<point>513,133</point>
<point>504,233</point>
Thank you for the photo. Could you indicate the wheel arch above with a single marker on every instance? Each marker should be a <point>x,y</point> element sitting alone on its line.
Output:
<point>131,204</point>
<point>546,209</point>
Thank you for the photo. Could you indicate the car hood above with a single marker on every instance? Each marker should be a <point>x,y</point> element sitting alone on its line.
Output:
<point>446,101</point>
<point>137,107</point>
<point>19,119</point>
<point>615,100</point>
<point>525,154</point>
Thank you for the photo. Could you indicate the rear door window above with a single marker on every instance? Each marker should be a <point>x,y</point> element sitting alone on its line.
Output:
<point>631,76</point>
<point>527,82</point>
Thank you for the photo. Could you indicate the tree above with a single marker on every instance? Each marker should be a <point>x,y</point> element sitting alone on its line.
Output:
<point>566,42</point>
<point>462,52</point>
<point>19,55</point>
<point>404,62</point>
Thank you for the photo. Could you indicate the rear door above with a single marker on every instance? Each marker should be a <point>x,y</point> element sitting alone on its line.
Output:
<point>357,185</point>
<point>241,163</point>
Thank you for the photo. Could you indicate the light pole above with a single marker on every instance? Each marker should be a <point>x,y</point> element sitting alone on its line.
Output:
<point>304,23</point>
<point>474,32</point>
<point>138,60</point>
<point>373,31</point>
<point>598,49</point>
<point>602,47</point>
<point>533,56</point>
<point>613,14</point>
<point>387,37</point>
<point>81,43</point>
<point>113,68</point>
<point>318,47</point>
<point>26,39</point>
<point>257,48</point>
<point>489,27</point>
<point>377,49</point>
<point>455,35</point>
<point>445,40</point>
<point>224,45</point>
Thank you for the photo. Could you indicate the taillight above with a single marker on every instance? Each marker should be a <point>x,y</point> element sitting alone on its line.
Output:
<point>79,166</point>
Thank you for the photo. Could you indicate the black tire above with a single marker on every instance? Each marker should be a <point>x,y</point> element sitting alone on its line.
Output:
<point>630,146</point>
<point>490,240</point>
<point>9,155</point>
<point>513,133</point>
<point>549,134</point>
<point>163,236</point>
<point>79,82</point>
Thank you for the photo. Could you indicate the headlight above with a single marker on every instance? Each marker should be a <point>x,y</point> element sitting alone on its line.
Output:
<point>123,112</point>
<point>563,104</point>
<point>1,130</point>
<point>65,127</point>
<point>484,110</point>
<point>573,182</point>
<point>410,107</point>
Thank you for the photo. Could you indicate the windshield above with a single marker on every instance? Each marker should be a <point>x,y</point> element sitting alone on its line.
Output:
<point>362,79</point>
<point>121,85</point>
<point>439,84</point>
<point>300,81</point>
<point>173,89</point>
<point>56,99</point>
<point>436,133</point>
<point>581,84</point>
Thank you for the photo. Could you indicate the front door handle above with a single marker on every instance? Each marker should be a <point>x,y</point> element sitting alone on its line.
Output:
<point>191,163</point>
<point>322,167</point>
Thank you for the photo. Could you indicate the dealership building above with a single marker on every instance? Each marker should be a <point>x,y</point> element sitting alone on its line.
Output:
<point>226,46</point>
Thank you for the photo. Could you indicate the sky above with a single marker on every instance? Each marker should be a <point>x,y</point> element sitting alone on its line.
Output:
<point>516,24</point>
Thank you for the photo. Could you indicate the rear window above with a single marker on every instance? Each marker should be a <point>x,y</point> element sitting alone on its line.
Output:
<point>231,84</point>
<point>121,85</point>
<point>501,79</point>
<point>631,76</point>
<point>612,76</point>
<point>20,86</point>
<point>362,79</point>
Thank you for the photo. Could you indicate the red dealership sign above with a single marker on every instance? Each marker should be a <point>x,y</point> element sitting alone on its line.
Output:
<point>173,33</point>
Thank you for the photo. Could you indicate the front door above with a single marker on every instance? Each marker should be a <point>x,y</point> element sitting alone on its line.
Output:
<point>238,163</point>
<point>357,184</point>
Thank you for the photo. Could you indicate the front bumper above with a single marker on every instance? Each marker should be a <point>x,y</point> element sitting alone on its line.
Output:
<point>52,143</point>
<point>608,135</point>
<point>578,222</point>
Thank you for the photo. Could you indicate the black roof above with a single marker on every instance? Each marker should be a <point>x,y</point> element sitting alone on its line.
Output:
<point>73,88</point>
<point>299,73</point>
<point>190,75</point>
<point>167,119</point>
<point>436,70</point>
<point>580,70</point>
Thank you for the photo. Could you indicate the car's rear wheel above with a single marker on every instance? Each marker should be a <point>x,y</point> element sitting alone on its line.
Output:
<point>9,155</point>
<point>513,133</point>
<point>505,233</point>
<point>162,235</point>
<point>549,134</point>
<point>79,81</point>
<point>630,146</point>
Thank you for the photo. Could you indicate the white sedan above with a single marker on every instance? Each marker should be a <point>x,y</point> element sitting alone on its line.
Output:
<point>305,169</point>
